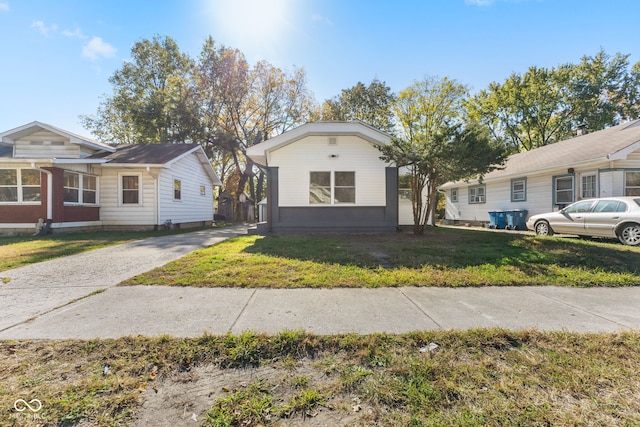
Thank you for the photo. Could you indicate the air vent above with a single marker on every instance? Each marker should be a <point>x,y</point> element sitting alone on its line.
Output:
<point>333,140</point>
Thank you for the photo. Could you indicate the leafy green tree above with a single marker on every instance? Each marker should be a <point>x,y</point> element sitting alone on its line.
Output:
<point>371,104</point>
<point>152,97</point>
<point>543,106</point>
<point>435,146</point>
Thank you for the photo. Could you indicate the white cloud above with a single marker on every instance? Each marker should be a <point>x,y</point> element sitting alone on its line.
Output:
<point>77,34</point>
<point>97,48</point>
<point>43,28</point>
<point>4,7</point>
<point>478,2</point>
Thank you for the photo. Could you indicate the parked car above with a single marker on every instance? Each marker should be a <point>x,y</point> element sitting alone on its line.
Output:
<point>605,217</point>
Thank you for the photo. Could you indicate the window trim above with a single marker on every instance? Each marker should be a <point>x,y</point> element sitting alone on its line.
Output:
<point>626,187</point>
<point>332,189</point>
<point>555,189</point>
<point>595,185</point>
<point>477,199</point>
<point>177,193</point>
<point>82,179</point>
<point>19,186</point>
<point>524,189</point>
<point>121,189</point>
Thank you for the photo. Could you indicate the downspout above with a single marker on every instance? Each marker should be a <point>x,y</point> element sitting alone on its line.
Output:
<point>49,198</point>
<point>157,189</point>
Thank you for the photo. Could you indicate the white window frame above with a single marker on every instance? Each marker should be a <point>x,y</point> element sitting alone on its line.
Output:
<point>331,189</point>
<point>19,188</point>
<point>454,195</point>
<point>584,194</point>
<point>121,189</point>
<point>82,180</point>
<point>522,192</point>
<point>476,196</point>
<point>572,190</point>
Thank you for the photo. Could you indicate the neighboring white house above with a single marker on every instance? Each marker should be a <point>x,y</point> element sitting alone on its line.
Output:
<point>75,182</point>
<point>599,164</point>
<point>328,176</point>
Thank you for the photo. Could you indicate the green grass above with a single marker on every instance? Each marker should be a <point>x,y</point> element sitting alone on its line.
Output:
<point>442,257</point>
<point>473,378</point>
<point>18,251</point>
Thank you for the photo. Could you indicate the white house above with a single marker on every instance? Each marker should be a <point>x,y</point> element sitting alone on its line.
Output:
<point>598,164</point>
<point>328,176</point>
<point>74,182</point>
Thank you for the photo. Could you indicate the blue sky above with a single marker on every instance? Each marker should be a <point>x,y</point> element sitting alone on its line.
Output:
<point>56,56</point>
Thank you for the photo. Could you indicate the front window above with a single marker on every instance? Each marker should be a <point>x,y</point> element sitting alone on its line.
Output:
<point>588,186</point>
<point>332,188</point>
<point>632,184</point>
<point>177,189</point>
<point>477,194</point>
<point>130,189</point>
<point>345,187</point>
<point>320,187</point>
<point>519,190</point>
<point>71,183</point>
<point>19,185</point>
<point>563,190</point>
<point>79,188</point>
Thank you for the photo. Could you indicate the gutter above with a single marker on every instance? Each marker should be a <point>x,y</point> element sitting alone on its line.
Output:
<point>49,190</point>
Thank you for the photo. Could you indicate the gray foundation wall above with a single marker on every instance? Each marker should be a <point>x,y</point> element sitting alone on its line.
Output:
<point>333,219</point>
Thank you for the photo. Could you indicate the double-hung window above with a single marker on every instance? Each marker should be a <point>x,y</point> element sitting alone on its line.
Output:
<point>130,188</point>
<point>477,194</point>
<point>454,195</point>
<point>19,185</point>
<point>588,186</point>
<point>332,187</point>
<point>632,183</point>
<point>519,190</point>
<point>563,190</point>
<point>79,188</point>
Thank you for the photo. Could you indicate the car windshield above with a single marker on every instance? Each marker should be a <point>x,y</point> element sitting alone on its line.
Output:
<point>579,207</point>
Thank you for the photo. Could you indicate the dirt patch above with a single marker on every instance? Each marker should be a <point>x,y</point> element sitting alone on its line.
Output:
<point>186,397</point>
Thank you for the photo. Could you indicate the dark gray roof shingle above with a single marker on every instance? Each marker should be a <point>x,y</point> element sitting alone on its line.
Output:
<point>154,154</point>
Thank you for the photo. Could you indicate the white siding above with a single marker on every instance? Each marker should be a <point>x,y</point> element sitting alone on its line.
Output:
<point>45,144</point>
<point>192,206</point>
<point>312,153</point>
<point>112,212</point>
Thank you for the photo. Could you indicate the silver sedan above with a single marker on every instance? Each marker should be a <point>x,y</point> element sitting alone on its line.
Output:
<point>605,217</point>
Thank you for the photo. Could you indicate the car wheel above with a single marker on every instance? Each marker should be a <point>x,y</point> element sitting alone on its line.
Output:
<point>543,229</point>
<point>629,234</point>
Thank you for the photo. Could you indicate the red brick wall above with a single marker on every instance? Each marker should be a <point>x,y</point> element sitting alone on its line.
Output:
<point>81,213</point>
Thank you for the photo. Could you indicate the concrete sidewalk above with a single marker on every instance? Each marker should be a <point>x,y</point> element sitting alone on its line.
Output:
<point>159,310</point>
<point>58,299</point>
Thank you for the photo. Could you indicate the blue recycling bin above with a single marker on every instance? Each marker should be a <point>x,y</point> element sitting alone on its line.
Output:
<point>516,219</point>
<point>497,219</point>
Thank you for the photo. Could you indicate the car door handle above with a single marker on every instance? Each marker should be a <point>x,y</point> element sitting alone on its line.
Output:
<point>615,217</point>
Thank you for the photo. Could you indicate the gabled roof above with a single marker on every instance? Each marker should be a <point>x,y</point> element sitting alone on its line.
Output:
<point>156,155</point>
<point>9,137</point>
<point>259,152</point>
<point>613,143</point>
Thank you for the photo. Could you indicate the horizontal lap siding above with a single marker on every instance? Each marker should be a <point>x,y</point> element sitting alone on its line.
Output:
<point>24,149</point>
<point>296,160</point>
<point>193,206</point>
<point>112,213</point>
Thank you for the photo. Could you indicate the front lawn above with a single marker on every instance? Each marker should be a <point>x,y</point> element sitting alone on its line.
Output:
<point>442,378</point>
<point>442,257</point>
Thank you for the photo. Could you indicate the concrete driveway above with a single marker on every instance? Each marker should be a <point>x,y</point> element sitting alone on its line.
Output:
<point>59,299</point>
